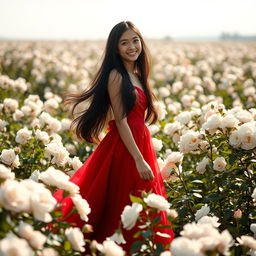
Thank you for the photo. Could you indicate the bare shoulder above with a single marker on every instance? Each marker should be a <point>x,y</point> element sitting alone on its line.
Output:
<point>114,81</point>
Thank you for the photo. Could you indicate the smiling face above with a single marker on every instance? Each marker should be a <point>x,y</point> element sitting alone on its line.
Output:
<point>129,46</point>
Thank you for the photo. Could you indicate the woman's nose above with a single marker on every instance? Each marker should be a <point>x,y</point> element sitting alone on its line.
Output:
<point>131,46</point>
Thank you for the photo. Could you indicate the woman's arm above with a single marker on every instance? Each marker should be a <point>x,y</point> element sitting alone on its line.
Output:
<point>114,90</point>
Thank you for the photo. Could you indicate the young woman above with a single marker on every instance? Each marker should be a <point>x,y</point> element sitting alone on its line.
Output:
<point>124,162</point>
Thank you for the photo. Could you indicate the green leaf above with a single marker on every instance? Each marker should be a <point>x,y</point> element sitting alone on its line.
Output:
<point>136,235</point>
<point>214,197</point>
<point>164,226</point>
<point>136,246</point>
<point>156,220</point>
<point>228,213</point>
<point>159,248</point>
<point>146,233</point>
<point>197,181</point>
<point>67,246</point>
<point>197,195</point>
<point>136,199</point>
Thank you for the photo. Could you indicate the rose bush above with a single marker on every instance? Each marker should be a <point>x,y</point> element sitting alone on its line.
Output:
<point>205,142</point>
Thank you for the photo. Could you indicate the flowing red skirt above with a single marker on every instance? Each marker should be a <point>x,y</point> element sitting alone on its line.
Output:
<point>109,176</point>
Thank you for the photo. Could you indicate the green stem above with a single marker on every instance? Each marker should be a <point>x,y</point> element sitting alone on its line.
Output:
<point>186,190</point>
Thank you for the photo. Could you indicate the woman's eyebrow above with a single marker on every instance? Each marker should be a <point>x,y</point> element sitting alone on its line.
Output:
<point>125,39</point>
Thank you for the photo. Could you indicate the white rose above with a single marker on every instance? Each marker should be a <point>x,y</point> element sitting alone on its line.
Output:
<point>219,164</point>
<point>11,104</point>
<point>244,116</point>
<point>6,173</point>
<point>208,243</point>
<point>160,109</point>
<point>54,125</point>
<point>35,175</point>
<point>253,228</point>
<point>130,215</point>
<point>37,240</point>
<point>25,230</point>
<point>247,135</point>
<point>17,115</point>
<point>187,100</point>
<point>253,112</point>
<point>184,117</point>
<point>2,125</point>
<point>234,139</point>
<point>110,248</point>
<point>50,105</point>
<point>175,157</point>
<point>171,128</point>
<point>42,202</point>
<point>169,171</point>
<point>118,238</point>
<point>209,220</point>
<point>16,162</point>
<point>157,144</point>
<point>189,141</point>
<point>71,149</point>
<point>203,211</point>
<point>153,129</point>
<point>43,136</point>
<point>76,238</point>
<point>44,118</point>
<point>212,123</point>
<point>69,186</point>
<point>12,245</point>
<point>157,201</point>
<point>31,185</point>
<point>65,124</point>
<point>196,231</point>
<point>56,138</point>
<point>164,92</point>
<point>59,153</point>
<point>59,179</point>
<point>182,246</point>
<point>165,253</point>
<point>201,166</point>
<point>14,196</point>
<point>229,121</point>
<point>8,156</point>
<point>26,110</point>
<point>176,87</point>
<point>172,213</point>
<point>49,252</point>
<point>96,246</point>
<point>247,241</point>
<point>76,163</point>
<point>35,123</point>
<point>225,242</point>
<point>160,163</point>
<point>23,135</point>
<point>82,206</point>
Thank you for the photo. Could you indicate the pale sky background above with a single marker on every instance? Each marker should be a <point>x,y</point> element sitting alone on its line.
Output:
<point>93,19</point>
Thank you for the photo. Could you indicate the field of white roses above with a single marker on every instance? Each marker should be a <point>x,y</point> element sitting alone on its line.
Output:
<point>205,141</point>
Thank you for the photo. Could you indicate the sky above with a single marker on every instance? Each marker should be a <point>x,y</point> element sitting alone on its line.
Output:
<point>93,19</point>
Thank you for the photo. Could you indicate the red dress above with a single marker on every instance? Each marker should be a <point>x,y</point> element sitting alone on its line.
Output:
<point>109,176</point>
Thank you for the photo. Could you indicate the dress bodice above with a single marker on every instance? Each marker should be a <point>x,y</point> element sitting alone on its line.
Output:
<point>137,115</point>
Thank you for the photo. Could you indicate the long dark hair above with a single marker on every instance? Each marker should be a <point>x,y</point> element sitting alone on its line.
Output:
<point>91,121</point>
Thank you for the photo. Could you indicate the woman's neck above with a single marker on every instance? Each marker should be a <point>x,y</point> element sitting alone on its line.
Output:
<point>129,66</point>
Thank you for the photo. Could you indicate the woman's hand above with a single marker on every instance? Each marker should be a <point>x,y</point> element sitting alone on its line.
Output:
<point>144,170</point>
